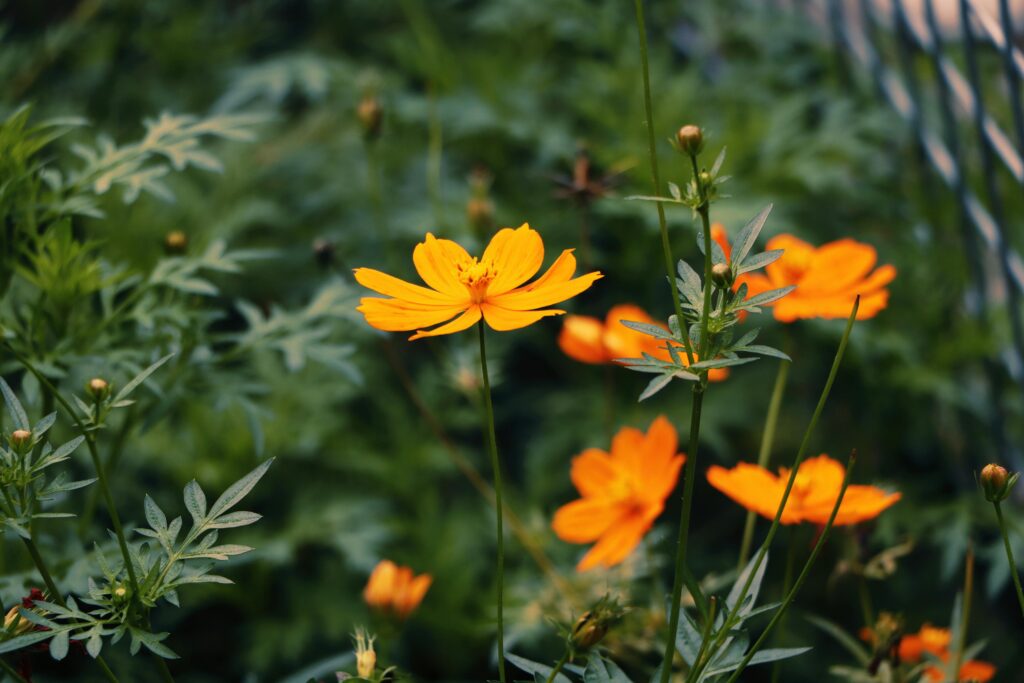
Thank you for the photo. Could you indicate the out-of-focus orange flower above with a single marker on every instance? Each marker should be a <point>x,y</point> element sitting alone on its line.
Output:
<point>590,340</point>
<point>622,492</point>
<point>827,278</point>
<point>461,285</point>
<point>815,490</point>
<point>395,589</point>
<point>936,641</point>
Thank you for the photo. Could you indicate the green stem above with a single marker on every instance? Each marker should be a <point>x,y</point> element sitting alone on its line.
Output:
<point>705,219</point>
<point>558,667</point>
<point>101,474</point>
<point>787,584</point>
<point>55,596</point>
<point>965,616</point>
<point>666,247</point>
<point>12,672</point>
<point>791,595</point>
<point>764,453</point>
<point>763,551</point>
<point>496,466</point>
<point>1009,555</point>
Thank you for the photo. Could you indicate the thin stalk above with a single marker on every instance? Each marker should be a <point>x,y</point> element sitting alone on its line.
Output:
<point>558,667</point>
<point>764,453</point>
<point>55,596</point>
<point>759,559</point>
<point>12,672</point>
<point>787,584</point>
<point>496,466</point>
<point>101,473</point>
<point>791,595</point>
<point>1009,555</point>
<point>666,246</point>
<point>965,615</point>
<point>690,470</point>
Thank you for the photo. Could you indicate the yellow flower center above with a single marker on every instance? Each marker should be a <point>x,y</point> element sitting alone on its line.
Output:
<point>476,276</point>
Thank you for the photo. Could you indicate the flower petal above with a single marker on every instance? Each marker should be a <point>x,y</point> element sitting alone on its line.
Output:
<point>837,266</point>
<point>755,488</point>
<point>503,320</point>
<point>464,321</point>
<point>616,544</point>
<point>516,255</point>
<point>546,295</point>
<point>389,285</point>
<point>593,473</point>
<point>581,338</point>
<point>436,262</point>
<point>584,520</point>
<point>393,315</point>
<point>860,504</point>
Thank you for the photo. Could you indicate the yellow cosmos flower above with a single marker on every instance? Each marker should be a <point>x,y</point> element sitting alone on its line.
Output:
<point>461,285</point>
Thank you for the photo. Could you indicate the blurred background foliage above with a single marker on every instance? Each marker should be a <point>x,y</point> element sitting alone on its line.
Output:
<point>488,101</point>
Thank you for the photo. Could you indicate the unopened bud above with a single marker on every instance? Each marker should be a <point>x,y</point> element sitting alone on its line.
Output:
<point>371,116</point>
<point>591,628</point>
<point>14,623</point>
<point>176,242</point>
<point>705,178</point>
<point>690,139</point>
<point>20,437</point>
<point>721,275</point>
<point>98,388</point>
<point>996,482</point>
<point>323,251</point>
<point>366,657</point>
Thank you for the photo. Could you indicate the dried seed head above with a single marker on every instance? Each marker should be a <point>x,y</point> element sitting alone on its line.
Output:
<point>690,139</point>
<point>371,116</point>
<point>996,482</point>
<point>176,242</point>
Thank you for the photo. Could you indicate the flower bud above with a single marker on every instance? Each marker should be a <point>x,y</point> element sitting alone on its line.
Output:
<point>371,116</point>
<point>705,178</point>
<point>20,438</point>
<point>176,242</point>
<point>323,251</point>
<point>366,657</point>
<point>996,482</point>
<point>591,628</point>
<point>690,139</point>
<point>480,212</point>
<point>98,388</point>
<point>14,623</point>
<point>721,275</point>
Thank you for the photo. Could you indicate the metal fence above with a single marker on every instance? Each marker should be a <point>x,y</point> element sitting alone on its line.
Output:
<point>959,108</point>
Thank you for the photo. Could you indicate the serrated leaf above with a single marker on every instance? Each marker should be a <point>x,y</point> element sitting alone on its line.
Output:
<point>768,297</point>
<point>748,235</point>
<point>758,261</point>
<point>14,406</point>
<point>237,491</point>
<point>155,517</point>
<point>195,501</point>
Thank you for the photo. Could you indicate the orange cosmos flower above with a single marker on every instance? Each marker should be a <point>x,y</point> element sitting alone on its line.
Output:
<point>814,492</point>
<point>827,278</point>
<point>461,285</point>
<point>589,340</point>
<point>936,641</point>
<point>622,493</point>
<point>395,589</point>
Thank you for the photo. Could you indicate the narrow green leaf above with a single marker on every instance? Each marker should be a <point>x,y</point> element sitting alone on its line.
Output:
<point>14,406</point>
<point>140,378</point>
<point>237,491</point>
<point>748,235</point>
